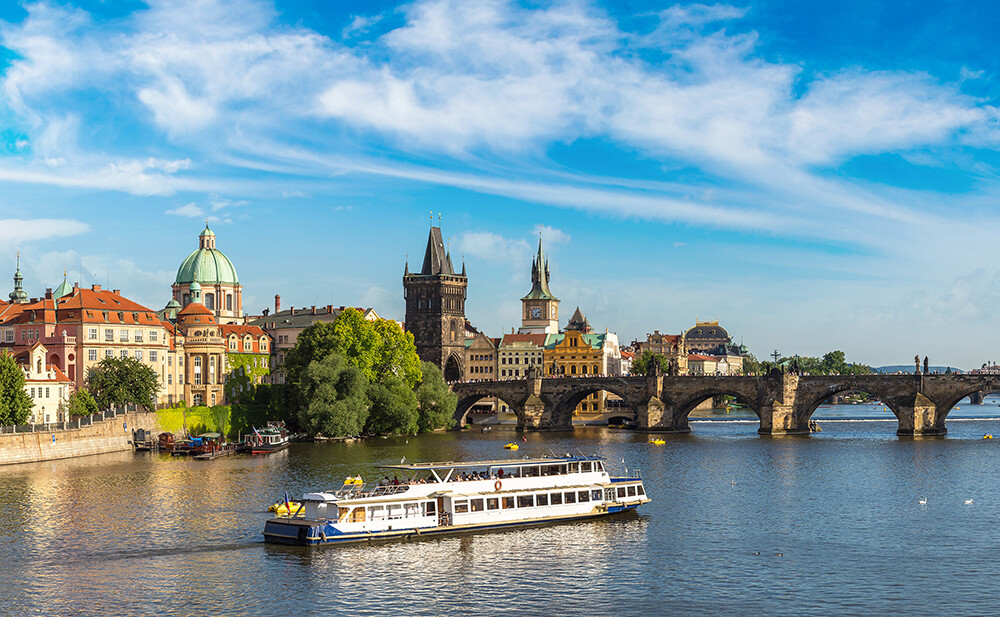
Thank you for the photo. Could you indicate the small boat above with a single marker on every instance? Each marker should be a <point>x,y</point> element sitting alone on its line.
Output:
<point>461,497</point>
<point>988,436</point>
<point>166,441</point>
<point>511,446</point>
<point>268,440</point>
<point>289,510</point>
<point>657,442</point>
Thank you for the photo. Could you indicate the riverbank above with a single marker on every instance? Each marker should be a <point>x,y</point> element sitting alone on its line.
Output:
<point>111,435</point>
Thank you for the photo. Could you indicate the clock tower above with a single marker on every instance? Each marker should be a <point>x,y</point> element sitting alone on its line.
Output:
<point>539,309</point>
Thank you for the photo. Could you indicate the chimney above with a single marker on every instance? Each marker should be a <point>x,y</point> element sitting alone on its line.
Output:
<point>48,293</point>
<point>95,288</point>
<point>117,292</point>
<point>76,288</point>
<point>329,309</point>
<point>277,303</point>
<point>291,309</point>
<point>313,310</point>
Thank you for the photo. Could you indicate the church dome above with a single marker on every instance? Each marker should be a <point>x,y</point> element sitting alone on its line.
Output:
<point>708,330</point>
<point>207,265</point>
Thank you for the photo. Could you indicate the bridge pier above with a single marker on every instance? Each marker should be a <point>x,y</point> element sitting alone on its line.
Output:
<point>976,398</point>
<point>781,419</point>
<point>920,418</point>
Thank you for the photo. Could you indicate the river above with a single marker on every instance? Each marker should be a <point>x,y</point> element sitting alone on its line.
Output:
<point>834,517</point>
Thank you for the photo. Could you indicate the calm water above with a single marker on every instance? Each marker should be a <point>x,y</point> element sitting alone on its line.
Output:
<point>145,534</point>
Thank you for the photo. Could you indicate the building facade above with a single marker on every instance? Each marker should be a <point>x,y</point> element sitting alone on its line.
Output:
<point>435,309</point>
<point>47,386</point>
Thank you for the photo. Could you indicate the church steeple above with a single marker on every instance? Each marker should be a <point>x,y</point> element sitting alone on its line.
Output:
<point>540,277</point>
<point>18,296</point>
<point>540,308</point>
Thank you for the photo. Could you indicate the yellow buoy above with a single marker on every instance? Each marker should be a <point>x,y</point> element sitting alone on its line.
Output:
<point>657,442</point>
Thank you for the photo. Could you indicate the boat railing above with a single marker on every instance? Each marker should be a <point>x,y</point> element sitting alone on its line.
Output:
<point>359,491</point>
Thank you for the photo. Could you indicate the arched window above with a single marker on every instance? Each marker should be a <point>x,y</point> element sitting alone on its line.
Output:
<point>210,301</point>
<point>583,369</point>
<point>229,302</point>
<point>197,370</point>
<point>597,370</point>
<point>572,370</point>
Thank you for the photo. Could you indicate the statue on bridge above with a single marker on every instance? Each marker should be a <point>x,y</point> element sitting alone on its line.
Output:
<point>927,370</point>
<point>916,361</point>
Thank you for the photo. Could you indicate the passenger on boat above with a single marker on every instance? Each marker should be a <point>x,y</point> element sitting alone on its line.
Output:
<point>500,474</point>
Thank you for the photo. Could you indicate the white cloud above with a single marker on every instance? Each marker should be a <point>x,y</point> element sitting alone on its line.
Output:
<point>551,235</point>
<point>494,247</point>
<point>18,231</point>
<point>149,288</point>
<point>191,210</point>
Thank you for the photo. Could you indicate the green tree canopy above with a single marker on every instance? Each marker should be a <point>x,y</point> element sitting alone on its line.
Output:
<point>15,404</point>
<point>393,407</point>
<point>333,398</point>
<point>435,401</point>
<point>642,364</point>
<point>119,381</point>
<point>81,403</point>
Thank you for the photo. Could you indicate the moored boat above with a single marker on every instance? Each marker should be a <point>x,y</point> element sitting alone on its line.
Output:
<point>268,440</point>
<point>449,498</point>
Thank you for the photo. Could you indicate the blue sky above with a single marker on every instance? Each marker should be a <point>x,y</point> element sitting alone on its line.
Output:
<point>814,175</point>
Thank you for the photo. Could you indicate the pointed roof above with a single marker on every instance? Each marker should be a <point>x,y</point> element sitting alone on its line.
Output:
<point>540,278</point>
<point>18,296</point>
<point>436,258</point>
<point>578,322</point>
<point>64,288</point>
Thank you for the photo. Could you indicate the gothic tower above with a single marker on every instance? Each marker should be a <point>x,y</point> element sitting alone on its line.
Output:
<point>435,308</point>
<point>539,309</point>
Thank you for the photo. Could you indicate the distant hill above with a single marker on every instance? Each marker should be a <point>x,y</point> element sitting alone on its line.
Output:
<point>908,368</point>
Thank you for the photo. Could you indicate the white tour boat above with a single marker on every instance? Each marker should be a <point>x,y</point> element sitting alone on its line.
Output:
<point>447,498</point>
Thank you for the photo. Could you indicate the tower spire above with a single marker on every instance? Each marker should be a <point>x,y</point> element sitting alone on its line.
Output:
<point>18,296</point>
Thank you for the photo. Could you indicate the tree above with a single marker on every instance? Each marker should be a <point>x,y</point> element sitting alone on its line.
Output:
<point>332,398</point>
<point>751,366</point>
<point>435,401</point>
<point>119,381</point>
<point>643,364</point>
<point>81,403</point>
<point>393,407</point>
<point>15,404</point>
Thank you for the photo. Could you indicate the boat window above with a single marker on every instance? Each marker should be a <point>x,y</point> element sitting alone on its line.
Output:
<point>542,500</point>
<point>586,466</point>
<point>429,508</point>
<point>570,497</point>
<point>595,495</point>
<point>358,515</point>
<point>412,510</point>
<point>376,512</point>
<point>555,499</point>
<point>621,491</point>
<point>640,490</point>
<point>531,472</point>
<point>562,469</point>
<point>598,466</point>
<point>395,510</point>
<point>525,501</point>
<point>342,514</point>
<point>492,503</point>
<point>476,505</point>
<point>631,491</point>
<point>583,496</point>
<point>461,506</point>
<point>508,503</point>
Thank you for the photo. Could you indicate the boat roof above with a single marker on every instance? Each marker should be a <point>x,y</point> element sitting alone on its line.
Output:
<point>510,462</point>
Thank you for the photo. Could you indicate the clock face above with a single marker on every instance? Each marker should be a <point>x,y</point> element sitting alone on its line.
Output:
<point>536,313</point>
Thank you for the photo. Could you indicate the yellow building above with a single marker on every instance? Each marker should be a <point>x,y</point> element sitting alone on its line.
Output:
<point>580,354</point>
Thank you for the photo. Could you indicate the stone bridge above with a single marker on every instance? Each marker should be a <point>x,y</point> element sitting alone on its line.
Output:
<point>784,403</point>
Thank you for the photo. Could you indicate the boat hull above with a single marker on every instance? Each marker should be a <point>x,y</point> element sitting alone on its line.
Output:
<point>268,449</point>
<point>299,532</point>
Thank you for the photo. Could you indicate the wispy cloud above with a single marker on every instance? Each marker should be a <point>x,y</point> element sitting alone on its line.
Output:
<point>18,231</point>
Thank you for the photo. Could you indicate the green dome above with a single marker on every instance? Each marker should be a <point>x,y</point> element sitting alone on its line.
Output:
<point>207,266</point>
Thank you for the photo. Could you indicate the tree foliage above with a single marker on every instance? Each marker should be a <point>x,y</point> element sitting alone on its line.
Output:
<point>333,399</point>
<point>15,404</point>
<point>393,407</point>
<point>642,364</point>
<point>435,401</point>
<point>119,381</point>
<point>81,403</point>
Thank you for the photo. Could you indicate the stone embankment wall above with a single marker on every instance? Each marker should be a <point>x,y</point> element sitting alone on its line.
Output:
<point>111,435</point>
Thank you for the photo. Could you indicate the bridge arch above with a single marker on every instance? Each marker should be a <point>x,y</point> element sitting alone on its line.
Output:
<point>685,406</point>
<point>561,413</point>
<point>885,396</point>
<point>944,407</point>
<point>453,369</point>
<point>470,398</point>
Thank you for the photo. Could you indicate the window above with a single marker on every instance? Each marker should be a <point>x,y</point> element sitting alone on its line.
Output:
<point>583,496</point>
<point>91,334</point>
<point>153,336</point>
<point>492,503</point>
<point>92,355</point>
<point>508,503</point>
<point>46,393</point>
<point>476,505</point>
<point>123,335</point>
<point>137,335</point>
<point>232,343</point>
<point>229,302</point>
<point>109,353</point>
<point>428,508</point>
<point>198,398</point>
<point>541,500</point>
<point>555,499</point>
<point>210,301</point>
<point>461,506</point>
<point>640,490</point>
<point>32,393</point>
<point>170,379</point>
<point>197,371</point>
<point>109,335</point>
<point>124,354</point>
<point>631,491</point>
<point>180,379</point>
<point>138,354</point>
<point>570,497</point>
<point>595,495</point>
<point>621,492</point>
<point>525,501</point>
<point>152,356</point>
<point>247,343</point>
